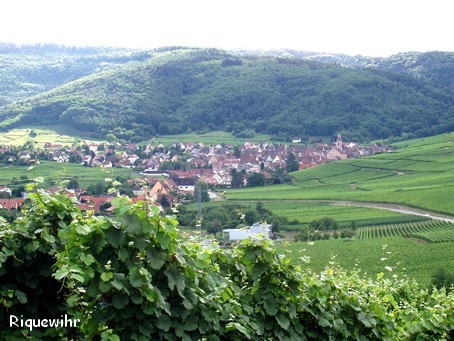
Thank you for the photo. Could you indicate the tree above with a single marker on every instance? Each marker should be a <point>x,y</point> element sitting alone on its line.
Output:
<point>204,191</point>
<point>292,164</point>
<point>97,189</point>
<point>256,179</point>
<point>111,138</point>
<point>17,192</point>
<point>164,202</point>
<point>237,179</point>
<point>72,184</point>
<point>237,152</point>
<point>275,225</point>
<point>251,217</point>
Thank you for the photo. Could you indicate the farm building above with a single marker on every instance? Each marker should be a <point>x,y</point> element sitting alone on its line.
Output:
<point>255,231</point>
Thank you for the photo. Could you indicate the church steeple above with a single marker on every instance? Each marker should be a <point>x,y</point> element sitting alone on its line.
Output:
<point>339,142</point>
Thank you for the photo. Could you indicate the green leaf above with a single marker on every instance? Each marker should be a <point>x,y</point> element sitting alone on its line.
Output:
<point>367,319</point>
<point>123,254</point>
<point>3,257</point>
<point>106,276</point>
<point>187,304</point>
<point>137,298</point>
<point>117,284</point>
<point>132,223</point>
<point>323,322</point>
<point>236,326</point>
<point>72,300</point>
<point>61,273</point>
<point>135,281</point>
<point>78,277</point>
<point>87,259</point>
<point>283,320</point>
<point>270,307</point>
<point>22,298</point>
<point>84,229</point>
<point>47,236</point>
<point>176,279</point>
<point>120,301</point>
<point>157,259</point>
<point>163,323</point>
<point>104,286</point>
<point>191,323</point>
<point>163,239</point>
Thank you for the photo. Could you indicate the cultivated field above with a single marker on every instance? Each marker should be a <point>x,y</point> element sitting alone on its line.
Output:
<point>431,231</point>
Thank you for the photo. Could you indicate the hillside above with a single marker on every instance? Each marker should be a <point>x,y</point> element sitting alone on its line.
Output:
<point>419,173</point>
<point>181,90</point>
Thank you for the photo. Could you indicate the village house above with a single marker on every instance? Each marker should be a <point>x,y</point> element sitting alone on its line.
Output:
<point>5,189</point>
<point>185,184</point>
<point>10,204</point>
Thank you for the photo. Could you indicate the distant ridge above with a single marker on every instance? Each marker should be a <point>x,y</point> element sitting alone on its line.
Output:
<point>136,94</point>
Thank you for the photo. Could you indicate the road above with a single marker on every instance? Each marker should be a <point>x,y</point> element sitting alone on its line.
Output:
<point>397,208</point>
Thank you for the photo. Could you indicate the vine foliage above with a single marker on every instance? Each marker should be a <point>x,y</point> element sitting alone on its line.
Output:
<point>132,276</point>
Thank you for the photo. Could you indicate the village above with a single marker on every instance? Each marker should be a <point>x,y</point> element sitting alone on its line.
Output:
<point>168,175</point>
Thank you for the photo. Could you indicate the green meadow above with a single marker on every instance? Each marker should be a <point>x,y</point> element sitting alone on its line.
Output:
<point>417,173</point>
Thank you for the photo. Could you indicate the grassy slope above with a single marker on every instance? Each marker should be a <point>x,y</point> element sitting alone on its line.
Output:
<point>420,173</point>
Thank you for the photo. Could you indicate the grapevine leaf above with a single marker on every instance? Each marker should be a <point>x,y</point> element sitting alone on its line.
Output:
<point>21,296</point>
<point>283,320</point>
<point>163,323</point>
<point>176,279</point>
<point>120,301</point>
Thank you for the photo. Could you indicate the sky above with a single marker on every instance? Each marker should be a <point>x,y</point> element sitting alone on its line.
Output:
<point>367,27</point>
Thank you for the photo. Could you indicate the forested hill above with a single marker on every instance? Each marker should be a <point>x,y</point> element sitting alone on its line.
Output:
<point>437,67</point>
<point>31,69</point>
<point>173,90</point>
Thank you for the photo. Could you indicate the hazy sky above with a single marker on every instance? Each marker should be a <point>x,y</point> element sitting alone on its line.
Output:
<point>368,27</point>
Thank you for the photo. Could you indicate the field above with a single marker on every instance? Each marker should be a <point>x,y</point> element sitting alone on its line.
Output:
<point>53,134</point>
<point>49,170</point>
<point>401,255</point>
<point>431,231</point>
<point>420,174</point>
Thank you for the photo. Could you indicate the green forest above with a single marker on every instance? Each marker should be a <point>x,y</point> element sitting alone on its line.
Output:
<point>142,94</point>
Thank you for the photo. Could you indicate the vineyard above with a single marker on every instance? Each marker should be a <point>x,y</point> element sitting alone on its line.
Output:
<point>431,231</point>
